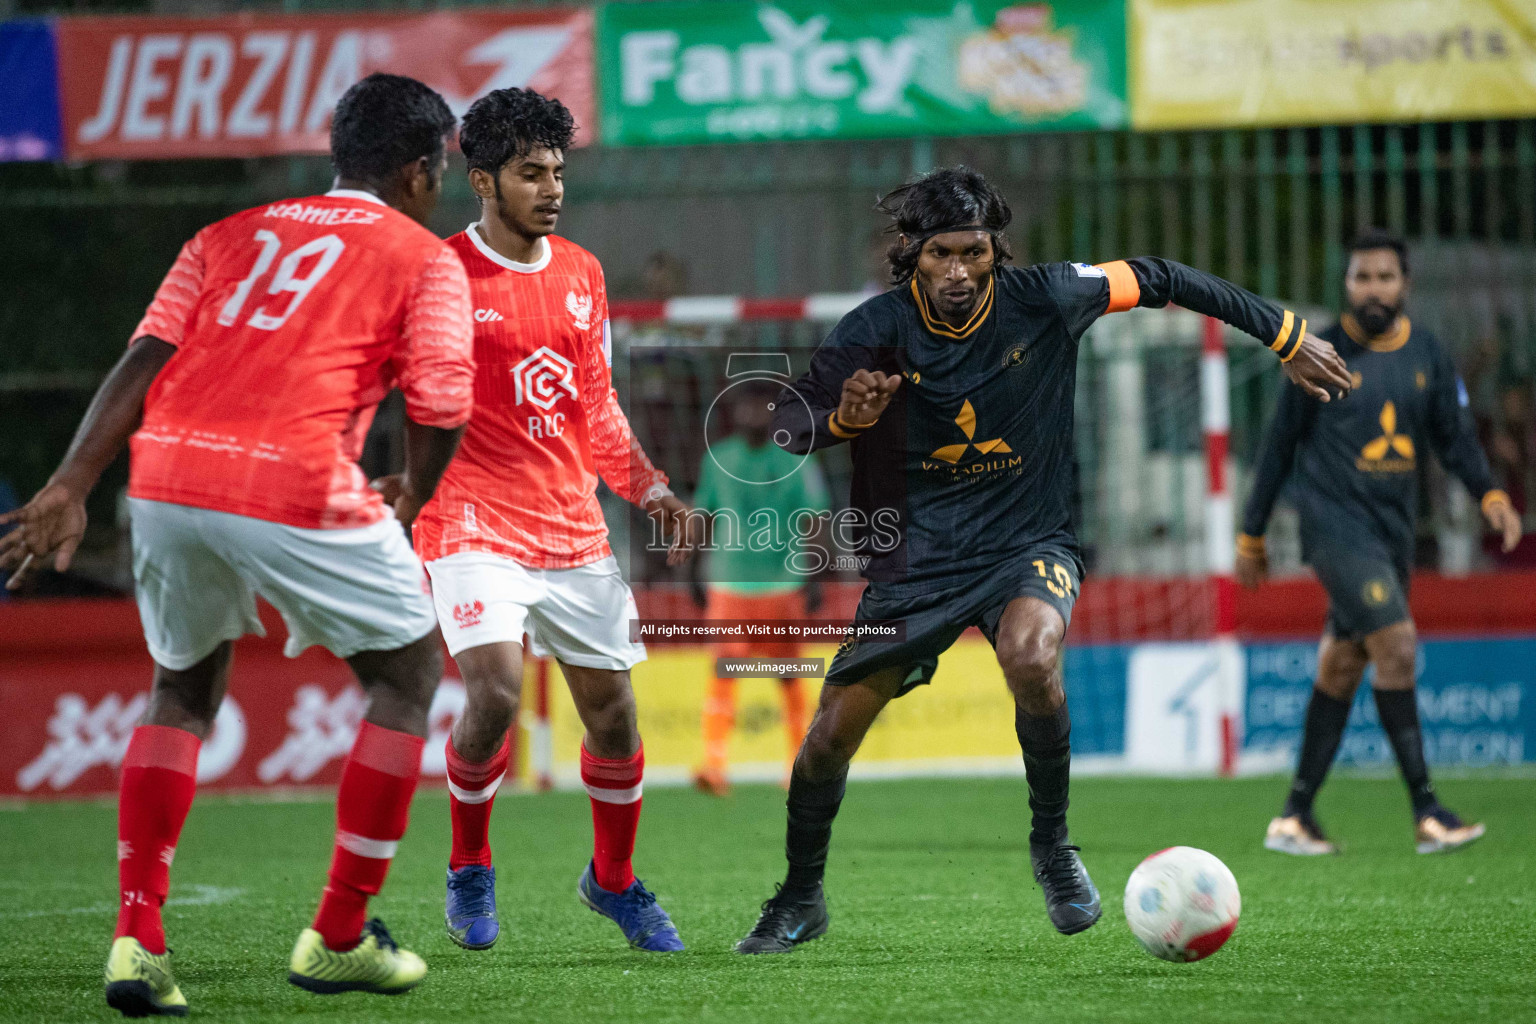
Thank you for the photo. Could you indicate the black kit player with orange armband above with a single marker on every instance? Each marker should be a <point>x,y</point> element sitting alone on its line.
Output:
<point>955,390</point>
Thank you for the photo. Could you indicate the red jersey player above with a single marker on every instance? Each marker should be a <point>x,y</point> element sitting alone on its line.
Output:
<point>256,372</point>
<point>514,539</point>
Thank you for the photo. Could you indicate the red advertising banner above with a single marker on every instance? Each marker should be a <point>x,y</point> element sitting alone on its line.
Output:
<point>153,88</point>
<point>71,704</point>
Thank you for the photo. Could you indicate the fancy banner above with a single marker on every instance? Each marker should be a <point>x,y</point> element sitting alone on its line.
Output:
<point>721,72</point>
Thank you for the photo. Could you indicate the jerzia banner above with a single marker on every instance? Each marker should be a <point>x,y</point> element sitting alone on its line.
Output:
<point>151,88</point>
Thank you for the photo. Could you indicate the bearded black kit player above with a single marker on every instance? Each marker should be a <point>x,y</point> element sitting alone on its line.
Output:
<point>1353,471</point>
<point>955,390</point>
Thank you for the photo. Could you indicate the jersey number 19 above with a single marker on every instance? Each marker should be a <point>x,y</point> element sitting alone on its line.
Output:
<point>328,247</point>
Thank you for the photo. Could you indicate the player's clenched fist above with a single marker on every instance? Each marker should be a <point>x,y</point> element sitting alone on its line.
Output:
<point>865,396</point>
<point>1318,370</point>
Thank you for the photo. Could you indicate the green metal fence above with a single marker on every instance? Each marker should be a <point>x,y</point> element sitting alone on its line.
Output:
<point>1270,209</point>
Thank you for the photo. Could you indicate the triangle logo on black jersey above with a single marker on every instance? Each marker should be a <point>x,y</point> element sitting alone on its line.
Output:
<point>1390,439</point>
<point>966,421</point>
<point>1391,452</point>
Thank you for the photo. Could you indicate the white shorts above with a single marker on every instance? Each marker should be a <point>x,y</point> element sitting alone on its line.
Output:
<point>580,616</point>
<point>199,571</point>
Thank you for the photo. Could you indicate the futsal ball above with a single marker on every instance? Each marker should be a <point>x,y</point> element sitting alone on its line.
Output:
<point>1182,904</point>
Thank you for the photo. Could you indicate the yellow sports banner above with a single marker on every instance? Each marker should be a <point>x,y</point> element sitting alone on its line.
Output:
<point>1216,63</point>
<point>964,722</point>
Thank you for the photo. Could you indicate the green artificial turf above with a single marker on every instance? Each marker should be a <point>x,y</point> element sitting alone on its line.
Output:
<point>934,915</point>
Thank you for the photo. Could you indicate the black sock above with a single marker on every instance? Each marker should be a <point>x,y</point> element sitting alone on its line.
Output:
<point>1046,741</point>
<point>812,806</point>
<point>1326,718</point>
<point>1399,711</point>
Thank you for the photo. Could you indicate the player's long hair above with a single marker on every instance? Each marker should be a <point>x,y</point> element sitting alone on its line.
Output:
<point>383,123</point>
<point>947,199</point>
<point>508,124</point>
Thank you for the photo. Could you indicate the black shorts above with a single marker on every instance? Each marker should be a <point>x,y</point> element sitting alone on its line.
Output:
<point>1367,590</point>
<point>934,620</point>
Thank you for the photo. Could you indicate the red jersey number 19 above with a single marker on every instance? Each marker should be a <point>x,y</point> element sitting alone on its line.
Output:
<point>328,247</point>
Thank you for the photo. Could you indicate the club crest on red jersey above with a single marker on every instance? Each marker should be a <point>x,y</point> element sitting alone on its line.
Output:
<point>580,308</point>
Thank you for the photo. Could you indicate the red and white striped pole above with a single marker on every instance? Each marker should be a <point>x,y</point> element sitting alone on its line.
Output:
<point>1216,419</point>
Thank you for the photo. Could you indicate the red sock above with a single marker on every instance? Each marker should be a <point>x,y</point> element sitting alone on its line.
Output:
<point>614,786</point>
<point>159,778</point>
<point>372,805</point>
<point>471,793</point>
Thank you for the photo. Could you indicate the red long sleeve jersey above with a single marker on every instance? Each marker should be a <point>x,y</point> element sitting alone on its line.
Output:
<point>547,422</point>
<point>291,322</point>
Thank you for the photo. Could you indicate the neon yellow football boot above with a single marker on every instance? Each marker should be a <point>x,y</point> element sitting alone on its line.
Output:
<point>374,965</point>
<point>140,984</point>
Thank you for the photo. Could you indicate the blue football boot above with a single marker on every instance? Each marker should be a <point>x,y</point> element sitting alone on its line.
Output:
<point>471,908</point>
<point>634,910</point>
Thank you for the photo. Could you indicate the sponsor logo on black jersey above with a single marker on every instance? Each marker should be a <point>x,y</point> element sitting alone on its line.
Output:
<point>1391,452</point>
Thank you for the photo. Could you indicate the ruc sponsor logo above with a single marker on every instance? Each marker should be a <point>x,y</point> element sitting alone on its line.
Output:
<point>542,377</point>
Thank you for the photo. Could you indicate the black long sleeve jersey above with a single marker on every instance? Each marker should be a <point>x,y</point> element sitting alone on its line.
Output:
<point>1353,466</point>
<point>972,460</point>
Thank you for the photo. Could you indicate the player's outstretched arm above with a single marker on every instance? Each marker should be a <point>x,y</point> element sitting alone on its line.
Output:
<point>1310,362</point>
<point>53,522</point>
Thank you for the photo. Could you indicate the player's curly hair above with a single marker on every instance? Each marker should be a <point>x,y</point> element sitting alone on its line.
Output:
<point>507,124</point>
<point>947,199</point>
<point>383,123</point>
